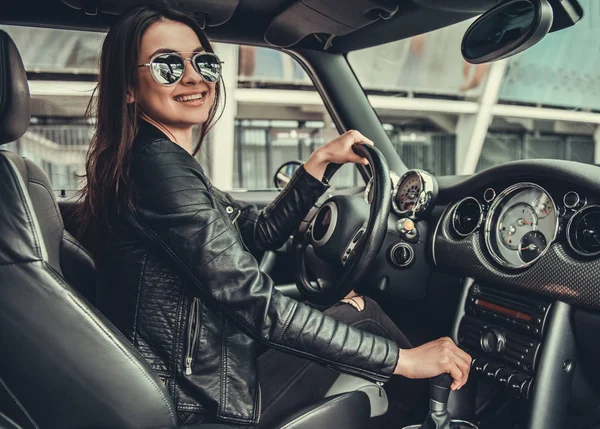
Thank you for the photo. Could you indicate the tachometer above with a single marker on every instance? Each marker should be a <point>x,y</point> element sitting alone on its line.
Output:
<point>415,193</point>
<point>409,190</point>
<point>532,245</point>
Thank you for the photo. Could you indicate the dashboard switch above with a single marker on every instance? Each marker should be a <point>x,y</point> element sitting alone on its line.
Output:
<point>402,255</point>
<point>493,341</point>
<point>405,225</point>
<point>408,230</point>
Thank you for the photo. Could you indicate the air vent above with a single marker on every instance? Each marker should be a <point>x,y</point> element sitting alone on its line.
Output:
<point>583,231</point>
<point>467,216</point>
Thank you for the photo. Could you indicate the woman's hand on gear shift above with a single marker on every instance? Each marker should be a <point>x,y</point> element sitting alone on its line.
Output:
<point>435,358</point>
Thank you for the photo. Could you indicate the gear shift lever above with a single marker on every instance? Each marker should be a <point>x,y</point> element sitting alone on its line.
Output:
<point>438,417</point>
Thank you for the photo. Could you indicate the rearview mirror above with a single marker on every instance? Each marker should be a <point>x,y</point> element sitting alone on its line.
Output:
<point>285,173</point>
<point>507,29</point>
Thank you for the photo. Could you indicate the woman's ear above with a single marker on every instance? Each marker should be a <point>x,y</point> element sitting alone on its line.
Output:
<point>130,96</point>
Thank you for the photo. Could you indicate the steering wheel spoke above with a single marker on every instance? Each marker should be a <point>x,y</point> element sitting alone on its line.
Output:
<point>349,253</point>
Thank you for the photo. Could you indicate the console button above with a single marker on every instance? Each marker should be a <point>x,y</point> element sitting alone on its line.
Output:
<point>479,364</point>
<point>526,389</point>
<point>491,370</point>
<point>518,383</point>
<point>503,375</point>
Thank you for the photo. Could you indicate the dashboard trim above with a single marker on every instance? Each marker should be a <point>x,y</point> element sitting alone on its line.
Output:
<point>435,232</point>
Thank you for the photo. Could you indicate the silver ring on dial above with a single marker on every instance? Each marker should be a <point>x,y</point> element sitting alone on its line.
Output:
<point>490,218</point>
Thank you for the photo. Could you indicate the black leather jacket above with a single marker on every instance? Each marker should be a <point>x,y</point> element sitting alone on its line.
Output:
<point>183,286</point>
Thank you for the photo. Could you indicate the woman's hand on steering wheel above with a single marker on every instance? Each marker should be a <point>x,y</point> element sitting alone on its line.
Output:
<point>435,358</point>
<point>337,151</point>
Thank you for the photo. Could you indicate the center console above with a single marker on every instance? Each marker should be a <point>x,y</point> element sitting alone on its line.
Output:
<point>522,344</point>
<point>503,332</point>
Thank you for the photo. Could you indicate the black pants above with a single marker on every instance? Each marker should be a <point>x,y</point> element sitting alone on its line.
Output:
<point>290,383</point>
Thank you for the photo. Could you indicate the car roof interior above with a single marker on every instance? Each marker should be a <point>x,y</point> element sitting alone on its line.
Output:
<point>307,24</point>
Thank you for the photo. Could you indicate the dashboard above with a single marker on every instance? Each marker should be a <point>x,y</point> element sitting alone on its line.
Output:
<point>525,238</point>
<point>538,232</point>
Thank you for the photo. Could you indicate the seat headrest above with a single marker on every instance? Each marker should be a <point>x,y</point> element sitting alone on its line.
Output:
<point>14,92</point>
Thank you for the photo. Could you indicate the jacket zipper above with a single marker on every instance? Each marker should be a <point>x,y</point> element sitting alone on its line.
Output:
<point>192,334</point>
<point>233,213</point>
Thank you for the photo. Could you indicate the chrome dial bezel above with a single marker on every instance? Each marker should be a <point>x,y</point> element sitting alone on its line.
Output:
<point>491,224</point>
<point>427,189</point>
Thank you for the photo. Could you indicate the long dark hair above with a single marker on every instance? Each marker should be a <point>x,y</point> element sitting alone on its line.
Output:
<point>108,188</point>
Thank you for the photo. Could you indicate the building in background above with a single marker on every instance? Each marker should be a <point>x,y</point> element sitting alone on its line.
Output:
<point>441,113</point>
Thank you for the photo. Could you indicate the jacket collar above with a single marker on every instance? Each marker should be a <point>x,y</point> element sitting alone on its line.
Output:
<point>148,132</point>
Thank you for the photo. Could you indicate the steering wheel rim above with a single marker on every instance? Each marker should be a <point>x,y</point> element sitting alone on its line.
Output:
<point>367,248</point>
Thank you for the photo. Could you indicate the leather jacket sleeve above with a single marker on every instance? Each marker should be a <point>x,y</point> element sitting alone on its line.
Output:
<point>270,228</point>
<point>175,212</point>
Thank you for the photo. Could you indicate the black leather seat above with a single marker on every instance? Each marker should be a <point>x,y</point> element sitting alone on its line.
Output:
<point>62,363</point>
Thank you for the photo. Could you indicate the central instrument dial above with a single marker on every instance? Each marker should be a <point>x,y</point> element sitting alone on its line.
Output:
<point>517,221</point>
<point>521,225</point>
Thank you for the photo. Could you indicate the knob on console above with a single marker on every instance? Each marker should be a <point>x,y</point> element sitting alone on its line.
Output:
<point>493,341</point>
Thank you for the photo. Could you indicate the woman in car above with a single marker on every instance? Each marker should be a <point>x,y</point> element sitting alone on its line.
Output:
<point>176,254</point>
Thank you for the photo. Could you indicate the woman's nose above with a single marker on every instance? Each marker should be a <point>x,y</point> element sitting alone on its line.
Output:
<point>190,75</point>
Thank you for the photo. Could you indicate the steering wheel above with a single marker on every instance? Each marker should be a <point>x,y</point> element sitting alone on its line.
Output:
<point>345,232</point>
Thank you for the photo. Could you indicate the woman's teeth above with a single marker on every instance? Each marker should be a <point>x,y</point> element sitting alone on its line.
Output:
<point>189,97</point>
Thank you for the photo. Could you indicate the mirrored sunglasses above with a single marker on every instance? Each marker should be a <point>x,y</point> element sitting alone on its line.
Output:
<point>168,68</point>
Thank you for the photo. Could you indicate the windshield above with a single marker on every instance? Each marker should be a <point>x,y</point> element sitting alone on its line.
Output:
<point>273,114</point>
<point>450,117</point>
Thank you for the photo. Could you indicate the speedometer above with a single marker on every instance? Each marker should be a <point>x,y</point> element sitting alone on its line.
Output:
<point>520,226</point>
<point>517,221</point>
<point>409,192</point>
<point>415,193</point>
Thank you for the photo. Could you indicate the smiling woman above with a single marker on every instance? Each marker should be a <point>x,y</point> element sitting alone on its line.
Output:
<point>178,278</point>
